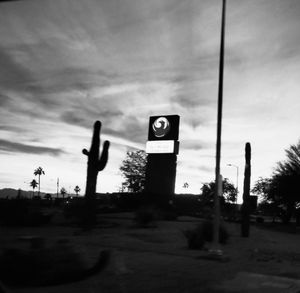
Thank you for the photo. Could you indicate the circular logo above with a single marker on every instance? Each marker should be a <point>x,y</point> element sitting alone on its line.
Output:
<point>161,126</point>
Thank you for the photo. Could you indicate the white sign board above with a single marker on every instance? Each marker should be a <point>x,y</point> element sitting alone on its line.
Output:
<point>161,147</point>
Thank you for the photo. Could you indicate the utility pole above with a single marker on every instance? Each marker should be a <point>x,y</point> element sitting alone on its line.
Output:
<point>219,132</point>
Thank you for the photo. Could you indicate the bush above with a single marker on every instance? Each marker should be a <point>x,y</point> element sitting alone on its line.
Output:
<point>54,265</point>
<point>146,216</point>
<point>204,233</point>
<point>195,238</point>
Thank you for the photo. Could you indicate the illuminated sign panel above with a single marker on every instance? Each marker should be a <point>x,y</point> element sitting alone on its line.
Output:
<point>162,147</point>
<point>163,127</point>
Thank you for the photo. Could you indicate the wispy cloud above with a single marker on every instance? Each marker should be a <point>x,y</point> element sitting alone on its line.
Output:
<point>13,147</point>
<point>15,76</point>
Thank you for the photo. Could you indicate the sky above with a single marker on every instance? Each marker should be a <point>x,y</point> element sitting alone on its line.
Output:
<point>66,63</point>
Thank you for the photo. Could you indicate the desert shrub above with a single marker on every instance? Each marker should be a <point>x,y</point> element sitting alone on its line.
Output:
<point>54,265</point>
<point>195,238</point>
<point>203,233</point>
<point>146,216</point>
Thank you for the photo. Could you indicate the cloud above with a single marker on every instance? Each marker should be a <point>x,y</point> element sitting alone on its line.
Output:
<point>83,114</point>
<point>4,100</point>
<point>123,109</point>
<point>15,76</point>
<point>194,144</point>
<point>13,147</point>
<point>134,129</point>
<point>71,78</point>
<point>12,128</point>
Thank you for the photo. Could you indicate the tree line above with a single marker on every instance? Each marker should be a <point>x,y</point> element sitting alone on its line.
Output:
<point>280,193</point>
<point>133,169</point>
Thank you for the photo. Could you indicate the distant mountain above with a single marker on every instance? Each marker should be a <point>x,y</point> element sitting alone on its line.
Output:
<point>12,193</point>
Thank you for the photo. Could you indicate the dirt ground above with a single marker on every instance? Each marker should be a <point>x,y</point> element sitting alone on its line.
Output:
<point>157,259</point>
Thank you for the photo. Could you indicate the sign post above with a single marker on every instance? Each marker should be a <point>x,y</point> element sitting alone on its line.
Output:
<point>162,148</point>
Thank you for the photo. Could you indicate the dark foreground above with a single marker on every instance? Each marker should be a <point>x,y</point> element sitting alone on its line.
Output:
<point>157,259</point>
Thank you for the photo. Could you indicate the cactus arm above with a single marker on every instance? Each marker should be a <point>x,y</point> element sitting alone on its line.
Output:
<point>85,152</point>
<point>104,156</point>
<point>94,150</point>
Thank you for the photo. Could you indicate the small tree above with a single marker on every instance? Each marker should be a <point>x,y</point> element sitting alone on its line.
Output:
<point>262,188</point>
<point>39,171</point>
<point>63,192</point>
<point>229,192</point>
<point>33,184</point>
<point>133,169</point>
<point>77,189</point>
<point>286,181</point>
<point>282,189</point>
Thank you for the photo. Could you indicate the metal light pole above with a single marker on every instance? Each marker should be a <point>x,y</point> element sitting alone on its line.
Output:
<point>219,131</point>
<point>237,180</point>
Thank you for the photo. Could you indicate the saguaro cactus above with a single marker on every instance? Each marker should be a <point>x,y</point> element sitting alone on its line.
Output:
<point>245,226</point>
<point>95,163</point>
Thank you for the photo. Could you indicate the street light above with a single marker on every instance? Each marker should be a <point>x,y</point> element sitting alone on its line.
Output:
<point>237,179</point>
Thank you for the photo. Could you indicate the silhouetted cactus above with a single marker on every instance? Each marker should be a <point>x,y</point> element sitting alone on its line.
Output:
<point>95,163</point>
<point>245,227</point>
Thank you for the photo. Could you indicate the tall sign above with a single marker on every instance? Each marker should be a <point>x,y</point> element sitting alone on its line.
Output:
<point>162,148</point>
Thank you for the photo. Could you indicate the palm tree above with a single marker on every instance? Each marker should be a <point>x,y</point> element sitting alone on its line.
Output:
<point>63,192</point>
<point>33,184</point>
<point>77,189</point>
<point>39,171</point>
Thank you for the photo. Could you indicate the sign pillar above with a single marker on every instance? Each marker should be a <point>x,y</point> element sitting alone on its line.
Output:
<point>162,149</point>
